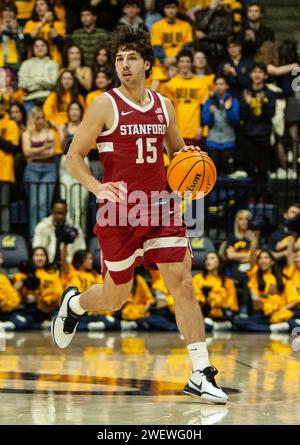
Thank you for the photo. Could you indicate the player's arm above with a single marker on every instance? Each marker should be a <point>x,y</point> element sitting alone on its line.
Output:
<point>93,123</point>
<point>173,141</point>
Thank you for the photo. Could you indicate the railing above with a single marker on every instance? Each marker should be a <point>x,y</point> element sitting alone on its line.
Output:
<point>228,196</point>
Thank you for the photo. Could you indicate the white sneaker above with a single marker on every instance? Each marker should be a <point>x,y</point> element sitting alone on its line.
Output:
<point>64,325</point>
<point>202,384</point>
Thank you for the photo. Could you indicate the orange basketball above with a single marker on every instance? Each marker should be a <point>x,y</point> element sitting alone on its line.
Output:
<point>191,172</point>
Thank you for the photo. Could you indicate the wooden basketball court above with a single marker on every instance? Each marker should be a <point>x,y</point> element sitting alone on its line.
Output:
<point>137,378</point>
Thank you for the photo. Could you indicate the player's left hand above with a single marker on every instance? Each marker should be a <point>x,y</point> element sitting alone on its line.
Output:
<point>190,148</point>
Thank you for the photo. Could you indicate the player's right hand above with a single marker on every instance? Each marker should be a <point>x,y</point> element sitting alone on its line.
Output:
<point>112,191</point>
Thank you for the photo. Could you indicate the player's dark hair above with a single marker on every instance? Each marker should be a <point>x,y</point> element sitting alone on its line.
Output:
<point>126,38</point>
<point>185,53</point>
<point>275,271</point>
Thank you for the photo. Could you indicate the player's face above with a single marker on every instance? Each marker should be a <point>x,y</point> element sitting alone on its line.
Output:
<point>265,261</point>
<point>211,262</point>
<point>243,222</point>
<point>254,13</point>
<point>39,258</point>
<point>184,65</point>
<point>130,67</point>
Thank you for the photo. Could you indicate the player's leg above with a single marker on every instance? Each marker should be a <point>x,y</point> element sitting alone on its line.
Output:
<point>109,296</point>
<point>189,319</point>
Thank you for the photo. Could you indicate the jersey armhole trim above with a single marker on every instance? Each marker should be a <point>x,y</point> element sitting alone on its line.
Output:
<point>116,117</point>
<point>164,107</point>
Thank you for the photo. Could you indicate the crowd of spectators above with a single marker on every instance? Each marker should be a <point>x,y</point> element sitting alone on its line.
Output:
<point>251,284</point>
<point>233,87</point>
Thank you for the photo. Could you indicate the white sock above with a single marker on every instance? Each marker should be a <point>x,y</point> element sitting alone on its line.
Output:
<point>74,304</point>
<point>199,355</point>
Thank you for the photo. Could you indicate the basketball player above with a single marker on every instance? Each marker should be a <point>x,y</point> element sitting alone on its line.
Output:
<point>132,155</point>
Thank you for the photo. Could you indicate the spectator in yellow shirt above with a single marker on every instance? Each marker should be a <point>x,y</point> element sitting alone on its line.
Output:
<point>44,24</point>
<point>40,287</point>
<point>11,38</point>
<point>25,8</point>
<point>203,70</point>
<point>216,293</point>
<point>139,301</point>
<point>188,93</point>
<point>82,275</point>
<point>9,143</point>
<point>169,36</point>
<point>274,298</point>
<point>9,301</point>
<point>56,105</point>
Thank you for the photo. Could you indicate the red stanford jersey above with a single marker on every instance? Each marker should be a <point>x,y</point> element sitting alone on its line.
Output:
<point>132,150</point>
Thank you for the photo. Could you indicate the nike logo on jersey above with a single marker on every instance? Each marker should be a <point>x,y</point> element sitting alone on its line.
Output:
<point>124,113</point>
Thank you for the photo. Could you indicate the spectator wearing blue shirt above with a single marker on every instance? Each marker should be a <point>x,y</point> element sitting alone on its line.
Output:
<point>221,112</point>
